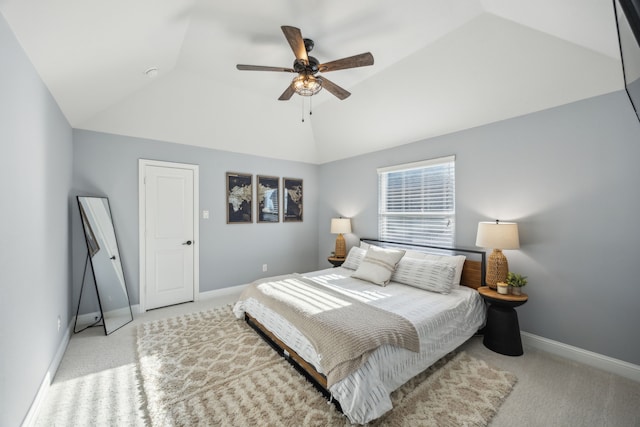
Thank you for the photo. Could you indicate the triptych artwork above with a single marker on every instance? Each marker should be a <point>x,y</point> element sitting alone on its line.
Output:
<point>240,197</point>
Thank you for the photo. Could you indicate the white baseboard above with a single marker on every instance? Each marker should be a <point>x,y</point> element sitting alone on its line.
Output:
<point>609,364</point>
<point>230,292</point>
<point>32,415</point>
<point>43,390</point>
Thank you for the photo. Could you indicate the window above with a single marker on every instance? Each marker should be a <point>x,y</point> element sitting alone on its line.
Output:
<point>416,202</point>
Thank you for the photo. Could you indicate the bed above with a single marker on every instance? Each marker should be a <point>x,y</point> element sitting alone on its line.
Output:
<point>431,297</point>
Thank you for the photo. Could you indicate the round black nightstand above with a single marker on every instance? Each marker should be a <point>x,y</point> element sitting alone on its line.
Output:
<point>502,331</point>
<point>335,261</point>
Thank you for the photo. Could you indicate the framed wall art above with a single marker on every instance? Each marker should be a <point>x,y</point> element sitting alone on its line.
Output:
<point>292,200</point>
<point>239,198</point>
<point>267,190</point>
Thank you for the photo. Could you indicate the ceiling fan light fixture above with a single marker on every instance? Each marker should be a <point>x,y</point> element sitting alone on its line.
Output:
<point>306,84</point>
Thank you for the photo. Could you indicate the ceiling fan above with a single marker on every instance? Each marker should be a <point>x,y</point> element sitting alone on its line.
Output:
<point>307,83</point>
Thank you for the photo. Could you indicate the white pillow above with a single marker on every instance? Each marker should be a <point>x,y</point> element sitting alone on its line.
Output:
<point>456,261</point>
<point>378,265</point>
<point>354,258</point>
<point>425,274</point>
<point>407,253</point>
<point>414,254</point>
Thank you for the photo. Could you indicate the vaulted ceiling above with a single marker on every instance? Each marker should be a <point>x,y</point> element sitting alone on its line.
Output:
<point>440,66</point>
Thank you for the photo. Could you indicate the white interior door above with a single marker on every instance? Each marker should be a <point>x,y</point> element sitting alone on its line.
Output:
<point>170,232</point>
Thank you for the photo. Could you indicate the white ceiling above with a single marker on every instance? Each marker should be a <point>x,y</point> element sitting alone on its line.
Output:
<point>440,66</point>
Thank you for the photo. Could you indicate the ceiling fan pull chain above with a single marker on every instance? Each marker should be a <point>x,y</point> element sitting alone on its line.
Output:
<point>310,105</point>
<point>302,109</point>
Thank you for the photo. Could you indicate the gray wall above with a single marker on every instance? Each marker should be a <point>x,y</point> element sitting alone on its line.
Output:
<point>35,178</point>
<point>569,177</point>
<point>107,165</point>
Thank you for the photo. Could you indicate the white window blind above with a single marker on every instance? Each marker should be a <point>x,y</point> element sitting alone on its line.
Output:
<point>416,202</point>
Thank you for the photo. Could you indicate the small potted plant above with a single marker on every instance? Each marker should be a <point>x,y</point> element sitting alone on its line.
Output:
<point>516,281</point>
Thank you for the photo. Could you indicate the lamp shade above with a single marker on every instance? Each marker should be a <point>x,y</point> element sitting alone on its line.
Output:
<point>498,235</point>
<point>340,225</point>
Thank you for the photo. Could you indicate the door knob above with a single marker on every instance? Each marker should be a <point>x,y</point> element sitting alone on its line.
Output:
<point>188,242</point>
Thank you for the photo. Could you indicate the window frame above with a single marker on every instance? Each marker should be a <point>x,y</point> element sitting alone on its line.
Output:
<point>446,213</point>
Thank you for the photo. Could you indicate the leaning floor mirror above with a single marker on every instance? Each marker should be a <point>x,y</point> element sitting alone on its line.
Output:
<point>104,257</point>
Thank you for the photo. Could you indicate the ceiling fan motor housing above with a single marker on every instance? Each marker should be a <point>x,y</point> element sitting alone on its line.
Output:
<point>312,67</point>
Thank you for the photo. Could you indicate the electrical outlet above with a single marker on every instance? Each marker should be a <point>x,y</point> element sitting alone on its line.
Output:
<point>264,267</point>
<point>59,323</point>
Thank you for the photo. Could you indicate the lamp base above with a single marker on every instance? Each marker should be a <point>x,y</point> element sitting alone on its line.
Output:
<point>341,247</point>
<point>497,268</point>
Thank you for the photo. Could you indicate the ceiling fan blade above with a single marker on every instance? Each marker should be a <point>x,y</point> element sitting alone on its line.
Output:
<point>361,60</point>
<point>294,37</point>
<point>287,94</point>
<point>263,68</point>
<point>335,89</point>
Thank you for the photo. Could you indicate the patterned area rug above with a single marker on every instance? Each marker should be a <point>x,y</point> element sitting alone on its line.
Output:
<point>210,369</point>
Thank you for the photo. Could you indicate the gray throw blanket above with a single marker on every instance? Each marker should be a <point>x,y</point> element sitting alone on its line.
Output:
<point>343,330</point>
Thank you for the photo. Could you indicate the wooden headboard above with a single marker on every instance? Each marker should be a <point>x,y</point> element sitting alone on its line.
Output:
<point>473,272</point>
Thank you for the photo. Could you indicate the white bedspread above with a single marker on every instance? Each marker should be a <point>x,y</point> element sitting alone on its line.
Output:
<point>443,323</point>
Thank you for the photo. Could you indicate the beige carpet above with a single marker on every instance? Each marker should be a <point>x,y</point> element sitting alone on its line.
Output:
<point>208,368</point>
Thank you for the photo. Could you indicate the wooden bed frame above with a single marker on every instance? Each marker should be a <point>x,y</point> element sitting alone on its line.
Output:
<point>473,274</point>
<point>318,380</point>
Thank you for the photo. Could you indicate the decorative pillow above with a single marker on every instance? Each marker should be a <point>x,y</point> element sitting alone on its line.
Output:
<point>456,261</point>
<point>407,253</point>
<point>378,265</point>
<point>425,274</point>
<point>414,254</point>
<point>354,258</point>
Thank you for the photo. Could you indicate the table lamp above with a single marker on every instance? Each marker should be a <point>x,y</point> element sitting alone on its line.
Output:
<point>340,226</point>
<point>498,236</point>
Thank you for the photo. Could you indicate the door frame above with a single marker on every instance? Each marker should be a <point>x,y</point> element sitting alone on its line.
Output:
<point>142,193</point>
